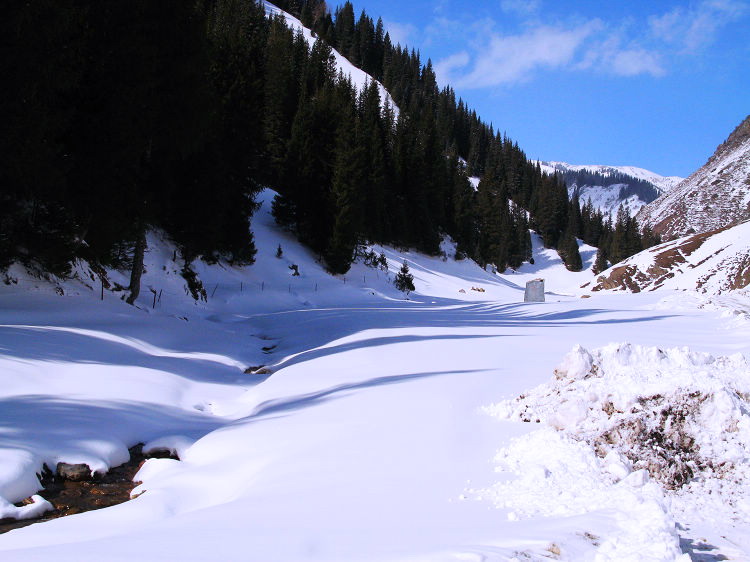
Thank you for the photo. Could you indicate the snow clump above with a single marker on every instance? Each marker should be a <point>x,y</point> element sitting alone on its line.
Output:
<point>657,432</point>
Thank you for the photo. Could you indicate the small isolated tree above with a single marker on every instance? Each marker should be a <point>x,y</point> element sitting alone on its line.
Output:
<point>279,251</point>
<point>404,280</point>
<point>601,261</point>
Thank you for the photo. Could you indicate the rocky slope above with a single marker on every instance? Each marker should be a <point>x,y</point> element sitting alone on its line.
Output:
<point>712,262</point>
<point>716,196</point>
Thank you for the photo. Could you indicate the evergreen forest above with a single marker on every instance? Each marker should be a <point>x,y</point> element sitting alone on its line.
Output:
<point>127,116</point>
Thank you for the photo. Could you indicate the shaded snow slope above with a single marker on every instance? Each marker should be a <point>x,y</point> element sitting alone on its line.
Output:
<point>360,79</point>
<point>713,263</point>
<point>715,196</point>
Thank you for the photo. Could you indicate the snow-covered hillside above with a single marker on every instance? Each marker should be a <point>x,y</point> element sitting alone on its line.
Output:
<point>714,263</point>
<point>367,438</point>
<point>360,79</point>
<point>715,196</point>
<point>663,183</point>
<point>609,198</point>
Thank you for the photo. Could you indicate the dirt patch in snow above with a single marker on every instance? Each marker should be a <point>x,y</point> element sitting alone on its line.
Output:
<point>69,497</point>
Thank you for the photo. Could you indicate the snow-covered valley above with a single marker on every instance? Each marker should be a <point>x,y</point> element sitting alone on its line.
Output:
<point>379,432</point>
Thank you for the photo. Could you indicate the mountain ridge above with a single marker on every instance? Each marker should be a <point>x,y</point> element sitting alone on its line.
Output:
<point>610,187</point>
<point>715,196</point>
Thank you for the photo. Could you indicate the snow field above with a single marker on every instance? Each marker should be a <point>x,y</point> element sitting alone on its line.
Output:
<point>360,443</point>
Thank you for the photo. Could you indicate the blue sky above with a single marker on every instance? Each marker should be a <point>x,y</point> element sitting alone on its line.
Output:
<point>652,84</point>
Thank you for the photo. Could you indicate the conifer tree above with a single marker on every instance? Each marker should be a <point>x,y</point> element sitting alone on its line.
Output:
<point>404,280</point>
<point>568,250</point>
<point>600,264</point>
<point>348,176</point>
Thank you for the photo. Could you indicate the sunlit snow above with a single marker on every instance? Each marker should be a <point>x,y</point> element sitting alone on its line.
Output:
<point>371,438</point>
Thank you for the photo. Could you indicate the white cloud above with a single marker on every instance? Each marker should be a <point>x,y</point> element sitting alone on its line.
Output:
<point>400,33</point>
<point>632,62</point>
<point>514,58</point>
<point>444,68</point>
<point>695,27</point>
<point>614,55</point>
<point>520,7</point>
<point>490,55</point>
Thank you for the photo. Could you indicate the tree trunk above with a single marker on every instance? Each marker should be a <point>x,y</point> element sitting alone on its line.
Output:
<point>137,271</point>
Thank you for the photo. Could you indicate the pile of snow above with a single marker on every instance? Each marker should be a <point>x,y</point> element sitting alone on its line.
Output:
<point>37,507</point>
<point>558,476</point>
<point>620,419</point>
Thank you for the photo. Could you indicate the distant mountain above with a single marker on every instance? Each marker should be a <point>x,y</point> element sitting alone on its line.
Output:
<point>715,196</point>
<point>711,262</point>
<point>609,187</point>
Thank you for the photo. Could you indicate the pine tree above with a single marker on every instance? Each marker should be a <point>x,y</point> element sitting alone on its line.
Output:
<point>404,280</point>
<point>348,176</point>
<point>600,264</point>
<point>568,250</point>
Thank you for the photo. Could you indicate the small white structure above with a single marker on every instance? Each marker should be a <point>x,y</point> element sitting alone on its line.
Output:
<point>534,291</point>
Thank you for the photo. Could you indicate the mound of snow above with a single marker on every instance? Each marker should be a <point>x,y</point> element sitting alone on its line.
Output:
<point>558,476</point>
<point>630,415</point>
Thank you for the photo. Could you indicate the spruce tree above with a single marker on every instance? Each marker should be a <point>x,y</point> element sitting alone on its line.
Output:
<point>600,264</point>
<point>348,176</point>
<point>404,280</point>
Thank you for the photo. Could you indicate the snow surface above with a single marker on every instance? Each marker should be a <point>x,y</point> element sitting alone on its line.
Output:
<point>360,79</point>
<point>616,418</point>
<point>368,440</point>
<point>548,266</point>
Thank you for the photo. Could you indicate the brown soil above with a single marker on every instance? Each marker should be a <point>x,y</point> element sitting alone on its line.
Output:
<point>70,497</point>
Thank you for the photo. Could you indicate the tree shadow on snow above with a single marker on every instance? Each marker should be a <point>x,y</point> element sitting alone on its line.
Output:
<point>41,343</point>
<point>370,342</point>
<point>284,405</point>
<point>305,332</point>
